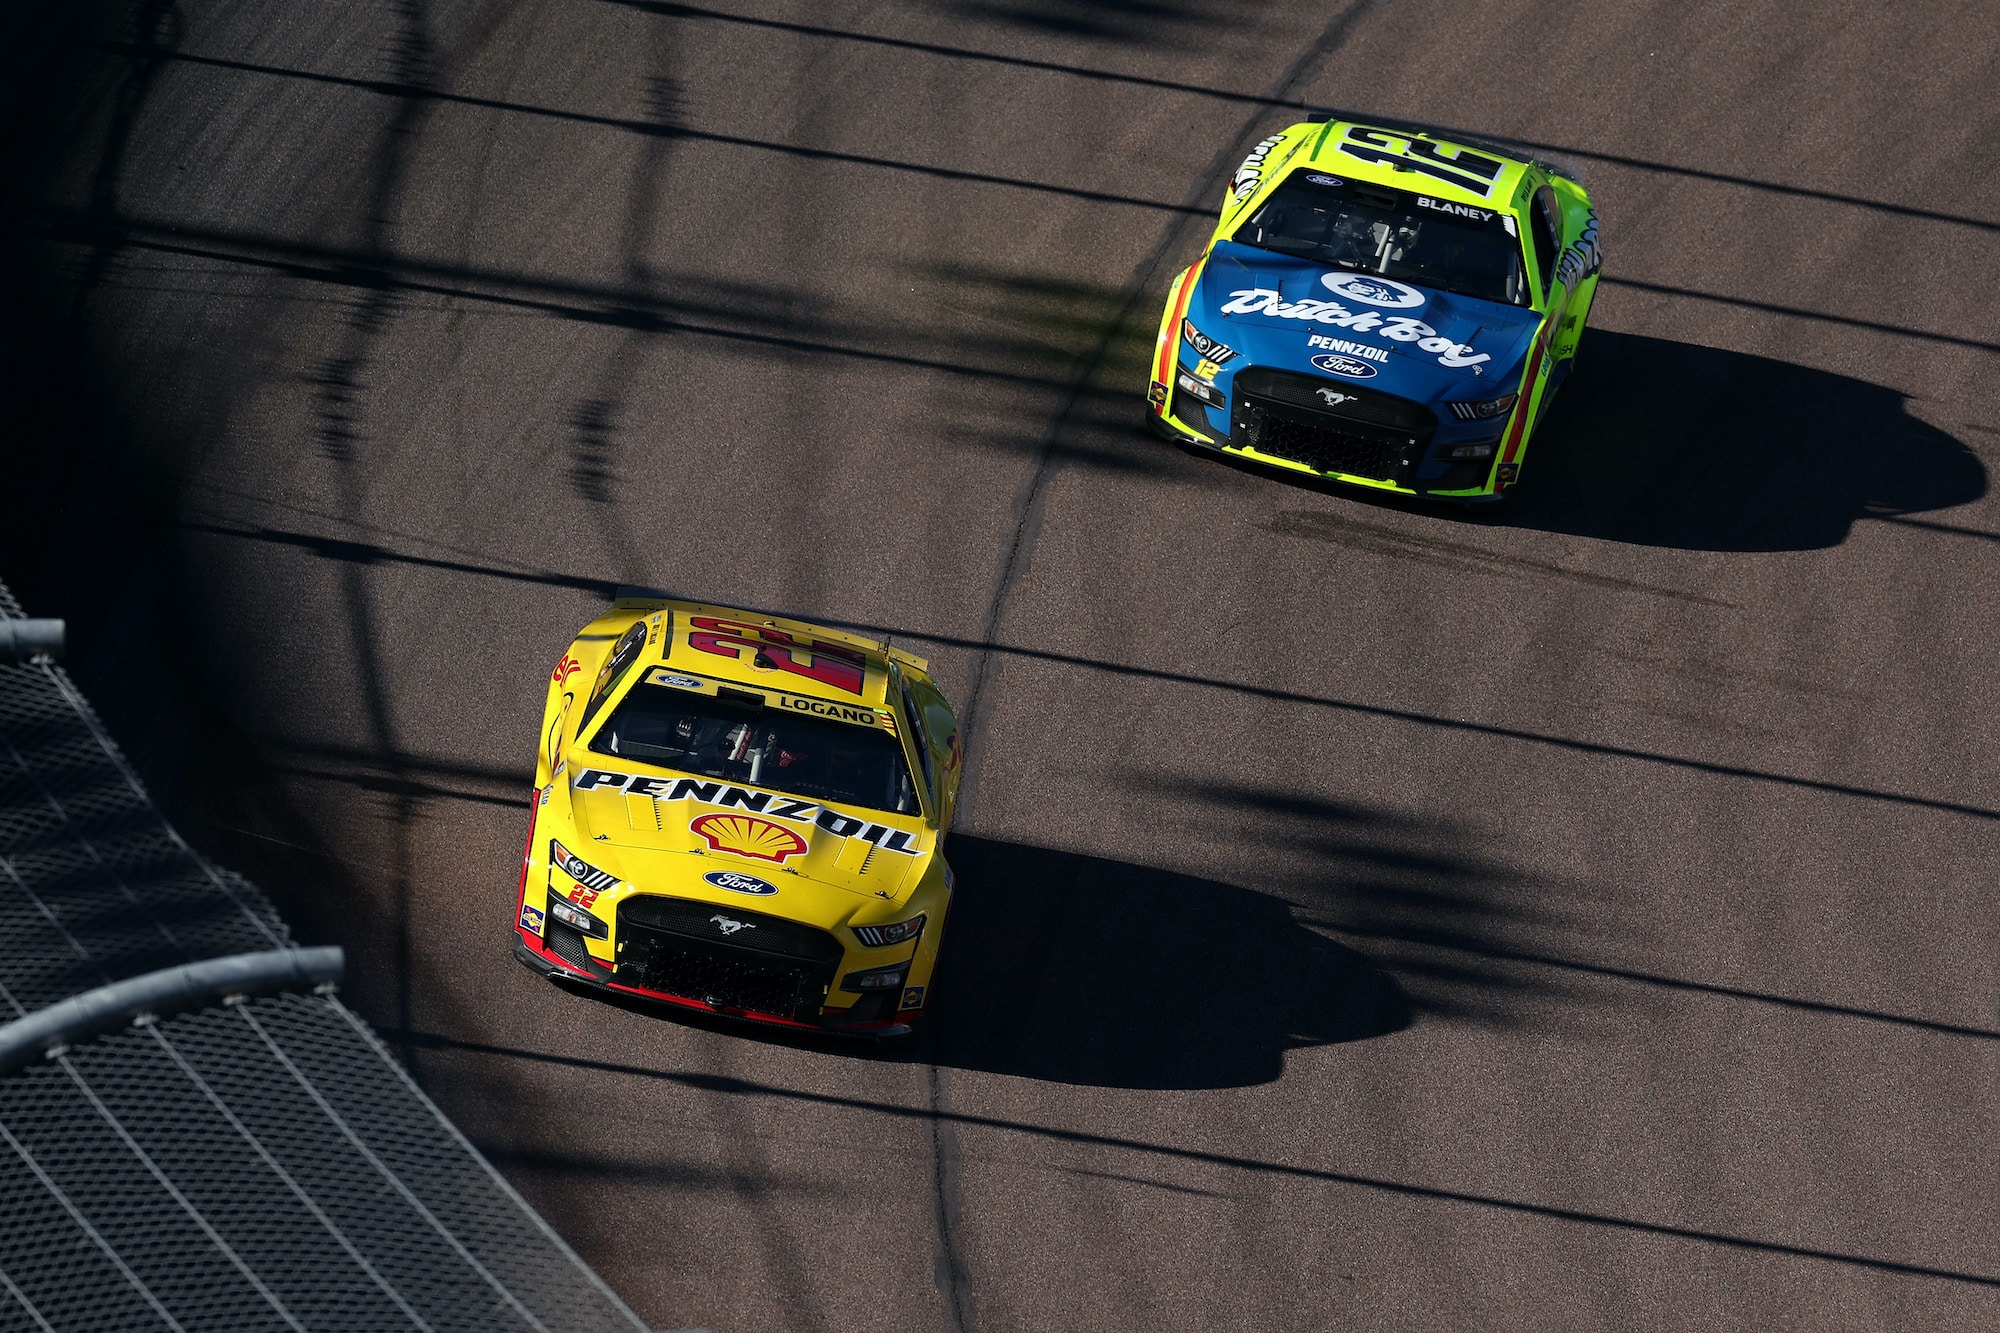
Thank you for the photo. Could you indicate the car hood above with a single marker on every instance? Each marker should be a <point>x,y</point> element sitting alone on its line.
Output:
<point>670,834</point>
<point>1400,338</point>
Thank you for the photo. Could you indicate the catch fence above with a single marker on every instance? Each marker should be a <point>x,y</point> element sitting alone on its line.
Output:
<point>195,1133</point>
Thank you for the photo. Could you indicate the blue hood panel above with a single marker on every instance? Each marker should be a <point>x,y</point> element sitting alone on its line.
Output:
<point>1410,341</point>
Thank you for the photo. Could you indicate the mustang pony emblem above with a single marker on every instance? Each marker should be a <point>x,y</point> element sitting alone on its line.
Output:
<point>731,927</point>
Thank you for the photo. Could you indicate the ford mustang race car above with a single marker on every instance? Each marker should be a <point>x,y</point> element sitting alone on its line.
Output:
<point>741,815</point>
<point>1380,306</point>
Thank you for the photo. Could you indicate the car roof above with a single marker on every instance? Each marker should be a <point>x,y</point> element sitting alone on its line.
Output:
<point>773,652</point>
<point>1407,157</point>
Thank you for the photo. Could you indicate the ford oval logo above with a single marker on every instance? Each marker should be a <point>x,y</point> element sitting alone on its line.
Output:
<point>737,882</point>
<point>1352,367</point>
<point>1371,290</point>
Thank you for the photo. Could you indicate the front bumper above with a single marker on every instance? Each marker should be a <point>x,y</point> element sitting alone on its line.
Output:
<point>864,1019</point>
<point>1177,416</point>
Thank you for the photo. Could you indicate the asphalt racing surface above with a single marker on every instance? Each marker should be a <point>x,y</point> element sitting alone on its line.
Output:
<point>1370,916</point>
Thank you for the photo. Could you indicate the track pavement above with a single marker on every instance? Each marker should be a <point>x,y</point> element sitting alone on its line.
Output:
<point>1370,916</point>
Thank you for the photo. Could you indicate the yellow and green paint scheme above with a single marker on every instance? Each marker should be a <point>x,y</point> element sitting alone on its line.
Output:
<point>1263,310</point>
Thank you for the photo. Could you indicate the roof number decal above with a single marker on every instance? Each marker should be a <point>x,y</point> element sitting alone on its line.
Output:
<point>1446,162</point>
<point>774,650</point>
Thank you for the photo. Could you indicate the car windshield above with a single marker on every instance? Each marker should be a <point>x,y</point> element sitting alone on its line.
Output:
<point>741,739</point>
<point>1395,233</point>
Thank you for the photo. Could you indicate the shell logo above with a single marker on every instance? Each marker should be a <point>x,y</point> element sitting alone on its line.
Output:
<point>747,835</point>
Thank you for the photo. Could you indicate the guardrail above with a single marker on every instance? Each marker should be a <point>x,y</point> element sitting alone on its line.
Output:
<point>195,1133</point>
<point>21,639</point>
<point>166,992</point>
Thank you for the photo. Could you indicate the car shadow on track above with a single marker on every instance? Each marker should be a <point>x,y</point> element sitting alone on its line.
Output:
<point>1076,969</point>
<point>1663,443</point>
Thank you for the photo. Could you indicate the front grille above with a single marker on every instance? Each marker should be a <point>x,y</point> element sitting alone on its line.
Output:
<point>752,932</point>
<point>1321,448</point>
<point>566,943</point>
<point>725,956</point>
<point>1345,399</point>
<point>1329,425</point>
<point>769,986</point>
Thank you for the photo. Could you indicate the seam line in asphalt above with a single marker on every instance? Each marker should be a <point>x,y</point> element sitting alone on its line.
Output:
<point>1030,500</point>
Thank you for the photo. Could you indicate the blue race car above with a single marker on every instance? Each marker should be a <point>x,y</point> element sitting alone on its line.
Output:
<point>1382,307</point>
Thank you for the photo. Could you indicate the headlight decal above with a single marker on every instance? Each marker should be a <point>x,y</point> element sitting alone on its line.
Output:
<point>1485,410</point>
<point>578,869</point>
<point>1206,347</point>
<point>878,937</point>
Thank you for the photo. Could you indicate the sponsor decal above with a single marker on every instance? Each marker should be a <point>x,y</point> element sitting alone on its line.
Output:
<point>1362,350</point>
<point>1251,174</point>
<point>1344,365</point>
<point>1470,171</point>
<point>1319,178</point>
<point>566,668</point>
<point>737,882</point>
<point>866,717</point>
<point>822,708</point>
<point>1582,259</point>
<point>747,835</point>
<point>1456,210</point>
<point>585,874</point>
<point>764,803</point>
<point>773,649</point>
<point>847,826</point>
<point>1206,347</point>
<point>1504,475</point>
<point>913,997</point>
<point>531,919</point>
<point>730,926</point>
<point>1206,370</point>
<point>1371,290</point>
<point>1397,328</point>
<point>1334,398</point>
<point>1157,395</point>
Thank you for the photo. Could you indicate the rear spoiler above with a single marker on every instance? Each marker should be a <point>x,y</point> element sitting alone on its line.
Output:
<point>640,599</point>
<point>652,599</point>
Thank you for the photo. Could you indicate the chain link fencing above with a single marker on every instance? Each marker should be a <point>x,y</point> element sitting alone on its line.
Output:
<point>251,1163</point>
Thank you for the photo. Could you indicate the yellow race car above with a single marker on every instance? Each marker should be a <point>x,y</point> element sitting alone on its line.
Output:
<point>741,815</point>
